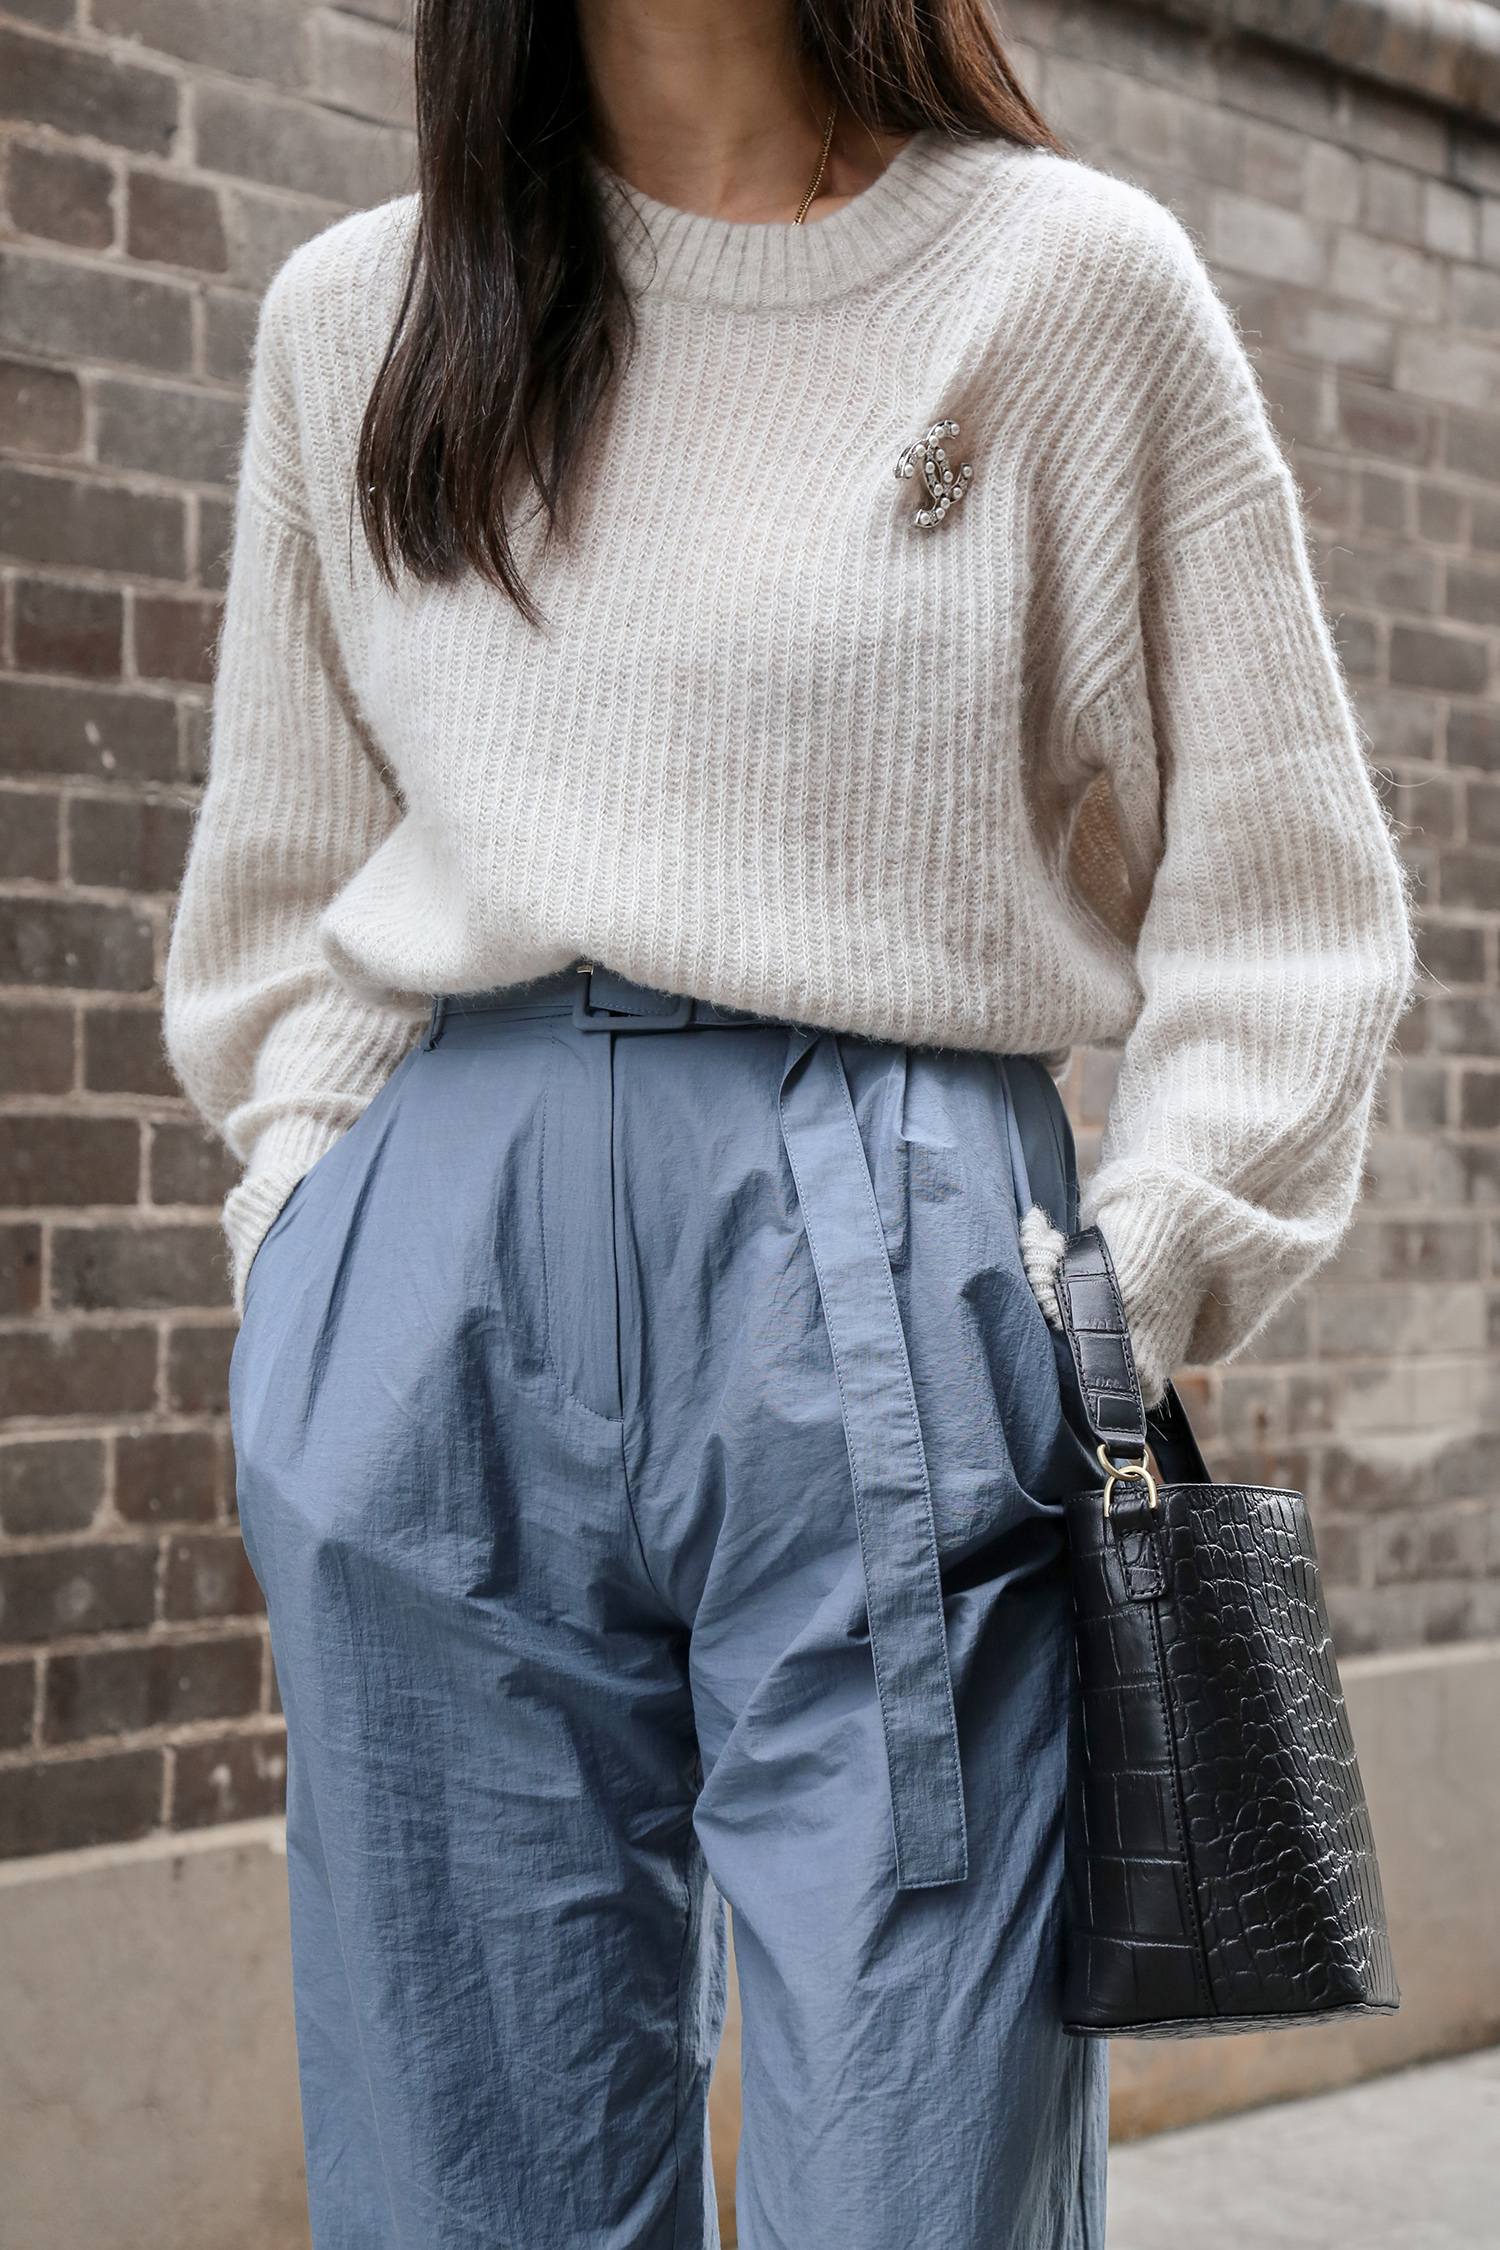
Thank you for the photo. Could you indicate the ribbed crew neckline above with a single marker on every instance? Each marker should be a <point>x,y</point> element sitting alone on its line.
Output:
<point>664,252</point>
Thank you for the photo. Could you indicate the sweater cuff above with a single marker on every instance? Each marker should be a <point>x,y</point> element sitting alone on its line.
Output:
<point>285,1153</point>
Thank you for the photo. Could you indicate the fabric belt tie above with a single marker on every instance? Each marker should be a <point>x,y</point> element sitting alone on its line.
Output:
<point>887,1462</point>
<point>887,1459</point>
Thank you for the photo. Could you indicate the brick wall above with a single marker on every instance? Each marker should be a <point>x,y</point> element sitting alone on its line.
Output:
<point>158,160</point>
<point>1357,236</point>
<point>160,157</point>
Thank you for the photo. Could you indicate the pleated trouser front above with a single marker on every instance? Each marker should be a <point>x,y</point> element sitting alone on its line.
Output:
<point>578,1455</point>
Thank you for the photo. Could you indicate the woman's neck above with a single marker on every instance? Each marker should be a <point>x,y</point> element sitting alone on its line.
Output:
<point>710,106</point>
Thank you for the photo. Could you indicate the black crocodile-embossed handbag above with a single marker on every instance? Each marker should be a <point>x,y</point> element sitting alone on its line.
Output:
<point>1221,1870</point>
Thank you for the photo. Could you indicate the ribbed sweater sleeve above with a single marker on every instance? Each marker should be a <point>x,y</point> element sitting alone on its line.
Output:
<point>1273,954</point>
<point>274,1050</point>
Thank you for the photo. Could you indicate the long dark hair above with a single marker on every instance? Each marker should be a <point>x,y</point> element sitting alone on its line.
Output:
<point>515,315</point>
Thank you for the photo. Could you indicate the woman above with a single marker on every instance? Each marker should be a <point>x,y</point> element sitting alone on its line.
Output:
<point>764,603</point>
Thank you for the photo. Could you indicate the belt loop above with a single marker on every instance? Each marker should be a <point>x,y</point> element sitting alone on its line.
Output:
<point>887,1463</point>
<point>438,1018</point>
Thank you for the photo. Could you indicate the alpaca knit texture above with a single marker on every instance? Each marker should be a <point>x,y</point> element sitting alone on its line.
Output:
<point>1075,765</point>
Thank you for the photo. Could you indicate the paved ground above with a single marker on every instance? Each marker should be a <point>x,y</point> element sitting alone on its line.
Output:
<point>1406,2163</point>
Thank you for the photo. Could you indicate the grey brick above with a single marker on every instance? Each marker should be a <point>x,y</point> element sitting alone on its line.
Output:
<point>1384,501</point>
<point>257,136</point>
<point>1424,1098</point>
<point>1266,82</point>
<point>1470,879</point>
<point>90,731</point>
<point>67,942</point>
<point>73,520</point>
<point>1272,162</point>
<point>41,409</point>
<point>82,91</point>
<point>1295,397</point>
<point>75,312</point>
<point>1381,422</point>
<point>1474,739</point>
<point>1466,1026</point>
<point>170,432</point>
<point>1347,339</point>
<point>189,1165</point>
<point>36,1048</point>
<point>17,1702</point>
<point>60,194</point>
<point>239,1777</point>
<point>168,1476</point>
<point>264,229</point>
<point>209,1575</point>
<point>1260,238</point>
<point>1450,220</point>
<point>1081,96</point>
<point>1453,953</point>
<point>253,39</point>
<point>1479,1101</point>
<point>151,1684</point>
<point>175,223</point>
<point>1358,643</point>
<point>229,335</point>
<point>1382,578</point>
<point>1454,663</point>
<point>48,15</point>
<point>123,1052</point>
<point>1474,297</point>
<point>359,66</point>
<point>1453,369</point>
<point>1440,514</point>
<point>1473,594</point>
<point>198,1367</point>
<point>138,1268</point>
<point>1393,202</point>
<point>1399,726</point>
<point>1473,445</point>
<point>176,639</point>
<point>1392,125</point>
<point>59,628</point>
<point>1475,159</point>
<point>1384,277</point>
<point>1425,808</point>
<point>20,1269</point>
<point>64,1590</point>
<point>1331,181</point>
<point>28,836</point>
<point>128,843</point>
<point>79,1802</point>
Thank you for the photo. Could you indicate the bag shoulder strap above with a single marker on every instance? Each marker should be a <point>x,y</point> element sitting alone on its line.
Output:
<point>1093,1319</point>
<point>1098,1336</point>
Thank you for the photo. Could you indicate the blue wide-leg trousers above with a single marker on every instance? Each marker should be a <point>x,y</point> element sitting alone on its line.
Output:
<point>649,1446</point>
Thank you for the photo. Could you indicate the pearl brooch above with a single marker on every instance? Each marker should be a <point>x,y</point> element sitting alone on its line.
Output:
<point>946,486</point>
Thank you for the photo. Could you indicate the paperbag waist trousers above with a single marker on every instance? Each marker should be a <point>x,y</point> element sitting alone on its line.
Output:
<point>649,1447</point>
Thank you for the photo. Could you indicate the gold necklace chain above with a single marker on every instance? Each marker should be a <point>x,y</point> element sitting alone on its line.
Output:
<point>817,178</point>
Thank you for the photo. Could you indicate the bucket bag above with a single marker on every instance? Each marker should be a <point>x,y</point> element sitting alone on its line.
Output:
<point>1221,1871</point>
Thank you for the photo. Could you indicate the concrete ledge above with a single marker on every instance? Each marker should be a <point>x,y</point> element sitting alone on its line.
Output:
<point>148,2072</point>
<point>1427,1728</point>
<point>1448,51</point>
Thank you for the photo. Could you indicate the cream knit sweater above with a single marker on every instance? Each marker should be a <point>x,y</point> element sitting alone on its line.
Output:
<point>1073,765</point>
